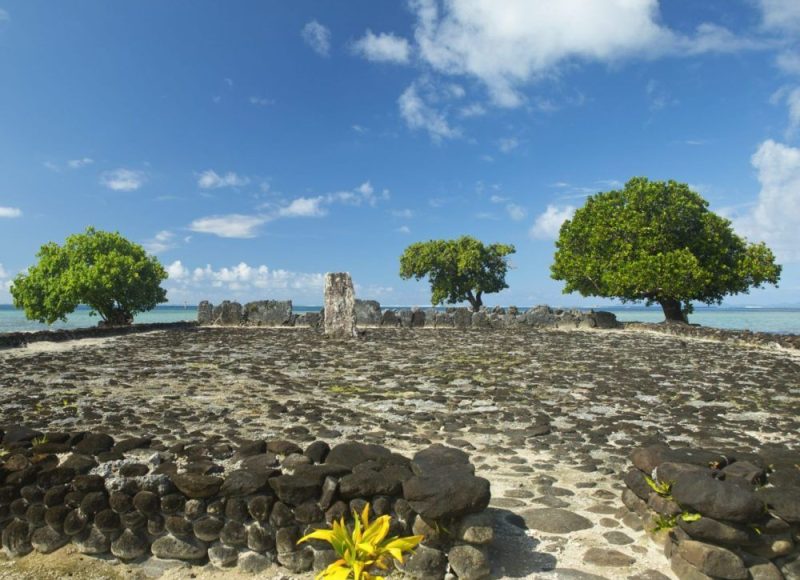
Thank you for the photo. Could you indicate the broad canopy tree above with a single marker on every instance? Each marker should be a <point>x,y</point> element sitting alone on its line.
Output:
<point>658,242</point>
<point>461,270</point>
<point>113,276</point>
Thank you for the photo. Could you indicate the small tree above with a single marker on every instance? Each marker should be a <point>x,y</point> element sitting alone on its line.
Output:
<point>657,241</point>
<point>461,270</point>
<point>114,277</point>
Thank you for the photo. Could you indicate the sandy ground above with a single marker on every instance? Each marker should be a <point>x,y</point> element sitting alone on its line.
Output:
<point>493,394</point>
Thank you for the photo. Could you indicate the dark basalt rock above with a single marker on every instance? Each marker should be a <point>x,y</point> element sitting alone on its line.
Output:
<point>438,457</point>
<point>178,526</point>
<point>259,507</point>
<point>172,503</point>
<point>129,546</point>
<point>20,433</point>
<point>351,453</point>
<point>281,447</point>
<point>87,483</point>
<point>172,548</point>
<point>94,502</point>
<point>55,516</point>
<point>709,529</point>
<point>317,452</point>
<point>439,496</point>
<point>80,463</point>
<point>120,502</point>
<point>57,476</point>
<point>242,482</point>
<point>649,458</point>
<point>305,484</point>
<point>35,515</point>
<point>133,520</point>
<point>368,483</point>
<point>208,528</point>
<point>46,540</point>
<point>132,443</point>
<point>16,538</point>
<point>55,495</point>
<point>94,443</point>
<point>717,499</point>
<point>147,503</point>
<point>234,534</point>
<point>75,522</point>
<point>281,515</point>
<point>197,486</point>
<point>259,539</point>
<point>783,502</point>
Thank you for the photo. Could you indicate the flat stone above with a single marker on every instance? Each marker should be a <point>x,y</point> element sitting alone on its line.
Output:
<point>172,548</point>
<point>717,499</point>
<point>469,562</point>
<point>607,558</point>
<point>712,560</point>
<point>555,520</point>
<point>197,486</point>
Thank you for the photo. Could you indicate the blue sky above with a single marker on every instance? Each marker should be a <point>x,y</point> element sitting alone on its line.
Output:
<point>253,146</point>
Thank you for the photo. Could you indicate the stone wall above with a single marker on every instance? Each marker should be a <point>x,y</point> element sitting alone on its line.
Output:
<point>719,515</point>
<point>242,505</point>
<point>21,339</point>
<point>721,334</point>
<point>369,314</point>
<point>258,313</point>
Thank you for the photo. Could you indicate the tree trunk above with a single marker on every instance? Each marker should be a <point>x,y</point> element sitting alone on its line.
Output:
<point>673,311</point>
<point>118,317</point>
<point>475,301</point>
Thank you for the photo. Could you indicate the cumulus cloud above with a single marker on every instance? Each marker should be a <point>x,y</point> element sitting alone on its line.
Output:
<point>210,179</point>
<point>781,15</point>
<point>516,212</point>
<point>241,281</point>
<point>507,144</point>
<point>404,230</point>
<point>383,47</point>
<point>403,213</point>
<point>161,242</point>
<point>304,207</point>
<point>10,212</point>
<point>318,37</point>
<point>419,115</point>
<point>507,44</point>
<point>547,224</point>
<point>79,163</point>
<point>233,225</point>
<point>123,179</point>
<point>773,219</point>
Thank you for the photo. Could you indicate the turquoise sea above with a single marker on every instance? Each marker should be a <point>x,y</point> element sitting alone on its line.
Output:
<point>780,320</point>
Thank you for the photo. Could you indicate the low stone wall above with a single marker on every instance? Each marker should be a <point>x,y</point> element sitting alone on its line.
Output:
<point>19,339</point>
<point>719,515</point>
<point>244,505</point>
<point>369,314</point>
<point>738,336</point>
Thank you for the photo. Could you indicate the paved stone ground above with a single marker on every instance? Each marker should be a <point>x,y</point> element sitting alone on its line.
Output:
<point>549,417</point>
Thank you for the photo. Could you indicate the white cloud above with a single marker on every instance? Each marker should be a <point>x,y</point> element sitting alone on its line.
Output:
<point>78,163</point>
<point>10,212</point>
<point>511,43</point>
<point>472,110</point>
<point>507,144</point>
<point>498,199</point>
<point>261,101</point>
<point>383,47</point>
<point>177,271</point>
<point>304,207</point>
<point>789,62</point>
<point>3,273</point>
<point>403,213</point>
<point>318,37</point>
<point>229,226</point>
<point>548,224</point>
<point>242,282</point>
<point>419,115</point>
<point>782,15</point>
<point>161,242</point>
<point>123,179</point>
<point>404,230</point>
<point>210,179</point>
<point>516,212</point>
<point>773,219</point>
<point>363,194</point>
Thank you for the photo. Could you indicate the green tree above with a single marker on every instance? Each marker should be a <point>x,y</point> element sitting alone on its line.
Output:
<point>114,277</point>
<point>459,270</point>
<point>657,241</point>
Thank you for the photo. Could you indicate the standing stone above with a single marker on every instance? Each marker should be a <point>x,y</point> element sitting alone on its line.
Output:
<point>205,311</point>
<point>340,305</point>
<point>227,314</point>
<point>368,313</point>
<point>268,313</point>
<point>462,318</point>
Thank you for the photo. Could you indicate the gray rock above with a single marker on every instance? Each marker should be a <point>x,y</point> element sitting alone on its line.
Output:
<point>324,558</point>
<point>555,520</point>
<point>425,564</point>
<point>95,542</point>
<point>717,499</point>
<point>340,307</point>
<point>172,548</point>
<point>462,318</point>
<point>298,562</point>
<point>442,494</point>
<point>205,313</point>
<point>617,538</point>
<point>196,486</point>
<point>16,538</point>
<point>390,318</point>
<point>713,560</point>
<point>709,529</point>
<point>438,457</point>
<point>222,556</point>
<point>684,570</point>
<point>227,314</point>
<point>268,313</point>
<point>253,563</point>
<point>607,558</point>
<point>45,540</point>
<point>469,562</point>
<point>783,502</point>
<point>368,313</point>
<point>129,546</point>
<point>475,529</point>
<point>405,318</point>
<point>242,482</point>
<point>418,318</point>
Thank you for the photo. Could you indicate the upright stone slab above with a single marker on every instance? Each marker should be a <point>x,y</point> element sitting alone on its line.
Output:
<point>268,313</point>
<point>205,313</point>
<point>227,314</point>
<point>368,313</point>
<point>340,305</point>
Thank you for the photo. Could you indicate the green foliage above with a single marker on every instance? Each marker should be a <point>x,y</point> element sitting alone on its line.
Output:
<point>663,489</point>
<point>362,549</point>
<point>114,277</point>
<point>664,523</point>
<point>39,441</point>
<point>459,270</point>
<point>657,241</point>
<point>690,517</point>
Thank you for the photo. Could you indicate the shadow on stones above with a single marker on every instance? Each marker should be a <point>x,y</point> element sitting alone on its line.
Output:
<point>513,552</point>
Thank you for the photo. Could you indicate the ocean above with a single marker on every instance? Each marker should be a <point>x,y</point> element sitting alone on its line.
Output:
<point>779,320</point>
